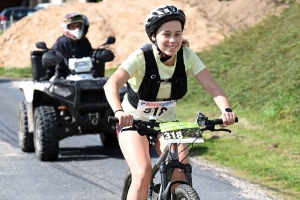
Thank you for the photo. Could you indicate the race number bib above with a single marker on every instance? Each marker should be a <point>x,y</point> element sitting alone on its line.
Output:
<point>156,108</point>
<point>181,132</point>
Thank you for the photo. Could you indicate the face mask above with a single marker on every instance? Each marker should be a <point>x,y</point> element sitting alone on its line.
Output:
<point>77,33</point>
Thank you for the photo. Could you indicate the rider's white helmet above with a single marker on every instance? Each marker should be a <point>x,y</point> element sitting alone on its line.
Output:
<point>71,18</point>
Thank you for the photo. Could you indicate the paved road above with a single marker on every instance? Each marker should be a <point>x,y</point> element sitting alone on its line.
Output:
<point>85,169</point>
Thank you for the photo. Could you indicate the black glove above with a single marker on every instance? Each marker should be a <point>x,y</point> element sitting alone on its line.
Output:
<point>95,73</point>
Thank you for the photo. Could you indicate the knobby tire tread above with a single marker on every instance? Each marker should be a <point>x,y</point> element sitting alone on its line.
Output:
<point>186,191</point>
<point>25,138</point>
<point>48,142</point>
<point>109,139</point>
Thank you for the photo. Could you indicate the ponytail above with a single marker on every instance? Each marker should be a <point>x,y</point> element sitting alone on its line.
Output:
<point>185,43</point>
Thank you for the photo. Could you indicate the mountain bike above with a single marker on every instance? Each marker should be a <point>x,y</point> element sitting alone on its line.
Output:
<point>174,133</point>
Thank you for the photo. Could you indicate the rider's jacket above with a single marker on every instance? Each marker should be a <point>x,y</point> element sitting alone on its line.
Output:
<point>70,49</point>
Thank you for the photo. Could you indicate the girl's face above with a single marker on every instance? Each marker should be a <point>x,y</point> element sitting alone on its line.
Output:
<point>169,37</point>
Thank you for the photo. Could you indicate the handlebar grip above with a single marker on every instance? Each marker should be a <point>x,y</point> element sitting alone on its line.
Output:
<point>113,119</point>
<point>220,121</point>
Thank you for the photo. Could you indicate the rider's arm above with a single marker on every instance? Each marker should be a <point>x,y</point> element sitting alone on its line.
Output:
<point>112,86</point>
<point>63,49</point>
<point>118,79</point>
<point>205,78</point>
<point>213,88</point>
<point>125,71</point>
<point>89,48</point>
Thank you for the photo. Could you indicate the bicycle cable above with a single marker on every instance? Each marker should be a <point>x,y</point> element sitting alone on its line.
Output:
<point>191,144</point>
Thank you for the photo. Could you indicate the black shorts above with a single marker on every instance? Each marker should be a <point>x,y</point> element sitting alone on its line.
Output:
<point>118,129</point>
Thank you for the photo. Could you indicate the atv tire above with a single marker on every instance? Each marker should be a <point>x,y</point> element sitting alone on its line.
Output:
<point>109,137</point>
<point>25,138</point>
<point>46,140</point>
<point>109,140</point>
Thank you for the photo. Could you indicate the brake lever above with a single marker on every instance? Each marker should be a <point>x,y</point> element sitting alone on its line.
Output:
<point>223,129</point>
<point>212,129</point>
<point>144,130</point>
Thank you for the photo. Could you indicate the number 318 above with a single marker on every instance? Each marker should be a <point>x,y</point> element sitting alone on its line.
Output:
<point>173,135</point>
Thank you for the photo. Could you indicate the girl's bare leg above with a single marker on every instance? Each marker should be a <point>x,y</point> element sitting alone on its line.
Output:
<point>135,149</point>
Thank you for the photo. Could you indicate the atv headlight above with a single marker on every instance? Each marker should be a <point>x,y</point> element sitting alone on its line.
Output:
<point>61,90</point>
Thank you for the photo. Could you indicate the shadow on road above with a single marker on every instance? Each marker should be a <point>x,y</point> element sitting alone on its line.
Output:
<point>67,154</point>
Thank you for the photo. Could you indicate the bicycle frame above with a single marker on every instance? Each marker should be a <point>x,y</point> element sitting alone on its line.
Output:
<point>166,163</point>
<point>168,160</point>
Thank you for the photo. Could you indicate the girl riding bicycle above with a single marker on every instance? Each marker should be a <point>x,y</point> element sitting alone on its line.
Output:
<point>156,77</point>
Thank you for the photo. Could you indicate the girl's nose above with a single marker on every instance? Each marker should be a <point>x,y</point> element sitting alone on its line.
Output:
<point>172,39</point>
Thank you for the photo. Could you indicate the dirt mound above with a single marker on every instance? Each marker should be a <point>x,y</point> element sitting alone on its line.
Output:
<point>208,21</point>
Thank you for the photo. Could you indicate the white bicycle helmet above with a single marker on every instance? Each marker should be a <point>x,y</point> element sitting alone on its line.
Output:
<point>161,15</point>
<point>71,18</point>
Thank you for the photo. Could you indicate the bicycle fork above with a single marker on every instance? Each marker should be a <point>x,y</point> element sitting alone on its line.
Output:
<point>166,170</point>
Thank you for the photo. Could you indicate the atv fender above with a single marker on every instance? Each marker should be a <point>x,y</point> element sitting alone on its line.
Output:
<point>29,88</point>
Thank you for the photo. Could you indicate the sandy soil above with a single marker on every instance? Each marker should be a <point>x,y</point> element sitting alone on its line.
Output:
<point>208,22</point>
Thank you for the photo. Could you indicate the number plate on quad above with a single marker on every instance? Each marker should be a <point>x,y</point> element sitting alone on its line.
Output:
<point>181,132</point>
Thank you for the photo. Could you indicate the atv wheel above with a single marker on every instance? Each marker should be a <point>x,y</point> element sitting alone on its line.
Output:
<point>46,140</point>
<point>109,137</point>
<point>109,140</point>
<point>25,138</point>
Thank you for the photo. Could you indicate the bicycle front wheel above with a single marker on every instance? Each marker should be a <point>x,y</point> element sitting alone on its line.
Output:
<point>127,183</point>
<point>185,192</point>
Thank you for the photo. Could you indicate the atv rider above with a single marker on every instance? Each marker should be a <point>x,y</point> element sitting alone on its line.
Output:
<point>73,44</point>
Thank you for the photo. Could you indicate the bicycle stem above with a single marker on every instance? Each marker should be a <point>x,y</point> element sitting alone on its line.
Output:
<point>174,152</point>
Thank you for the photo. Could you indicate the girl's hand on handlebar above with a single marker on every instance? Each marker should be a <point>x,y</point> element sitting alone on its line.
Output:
<point>125,119</point>
<point>228,118</point>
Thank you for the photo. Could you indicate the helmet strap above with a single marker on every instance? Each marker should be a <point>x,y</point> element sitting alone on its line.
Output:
<point>162,56</point>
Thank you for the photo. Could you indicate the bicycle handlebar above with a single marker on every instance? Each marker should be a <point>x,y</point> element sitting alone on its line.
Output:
<point>148,123</point>
<point>217,121</point>
<point>209,124</point>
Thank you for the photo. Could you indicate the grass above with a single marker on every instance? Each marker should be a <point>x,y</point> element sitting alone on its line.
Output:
<point>259,69</point>
<point>16,72</point>
<point>26,72</point>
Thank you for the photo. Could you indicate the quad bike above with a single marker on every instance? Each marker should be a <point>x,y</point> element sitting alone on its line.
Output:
<point>56,109</point>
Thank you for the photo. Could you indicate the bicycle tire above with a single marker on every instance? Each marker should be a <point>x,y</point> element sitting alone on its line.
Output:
<point>185,192</point>
<point>126,186</point>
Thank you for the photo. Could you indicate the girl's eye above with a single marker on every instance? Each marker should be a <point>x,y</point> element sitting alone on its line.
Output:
<point>168,34</point>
